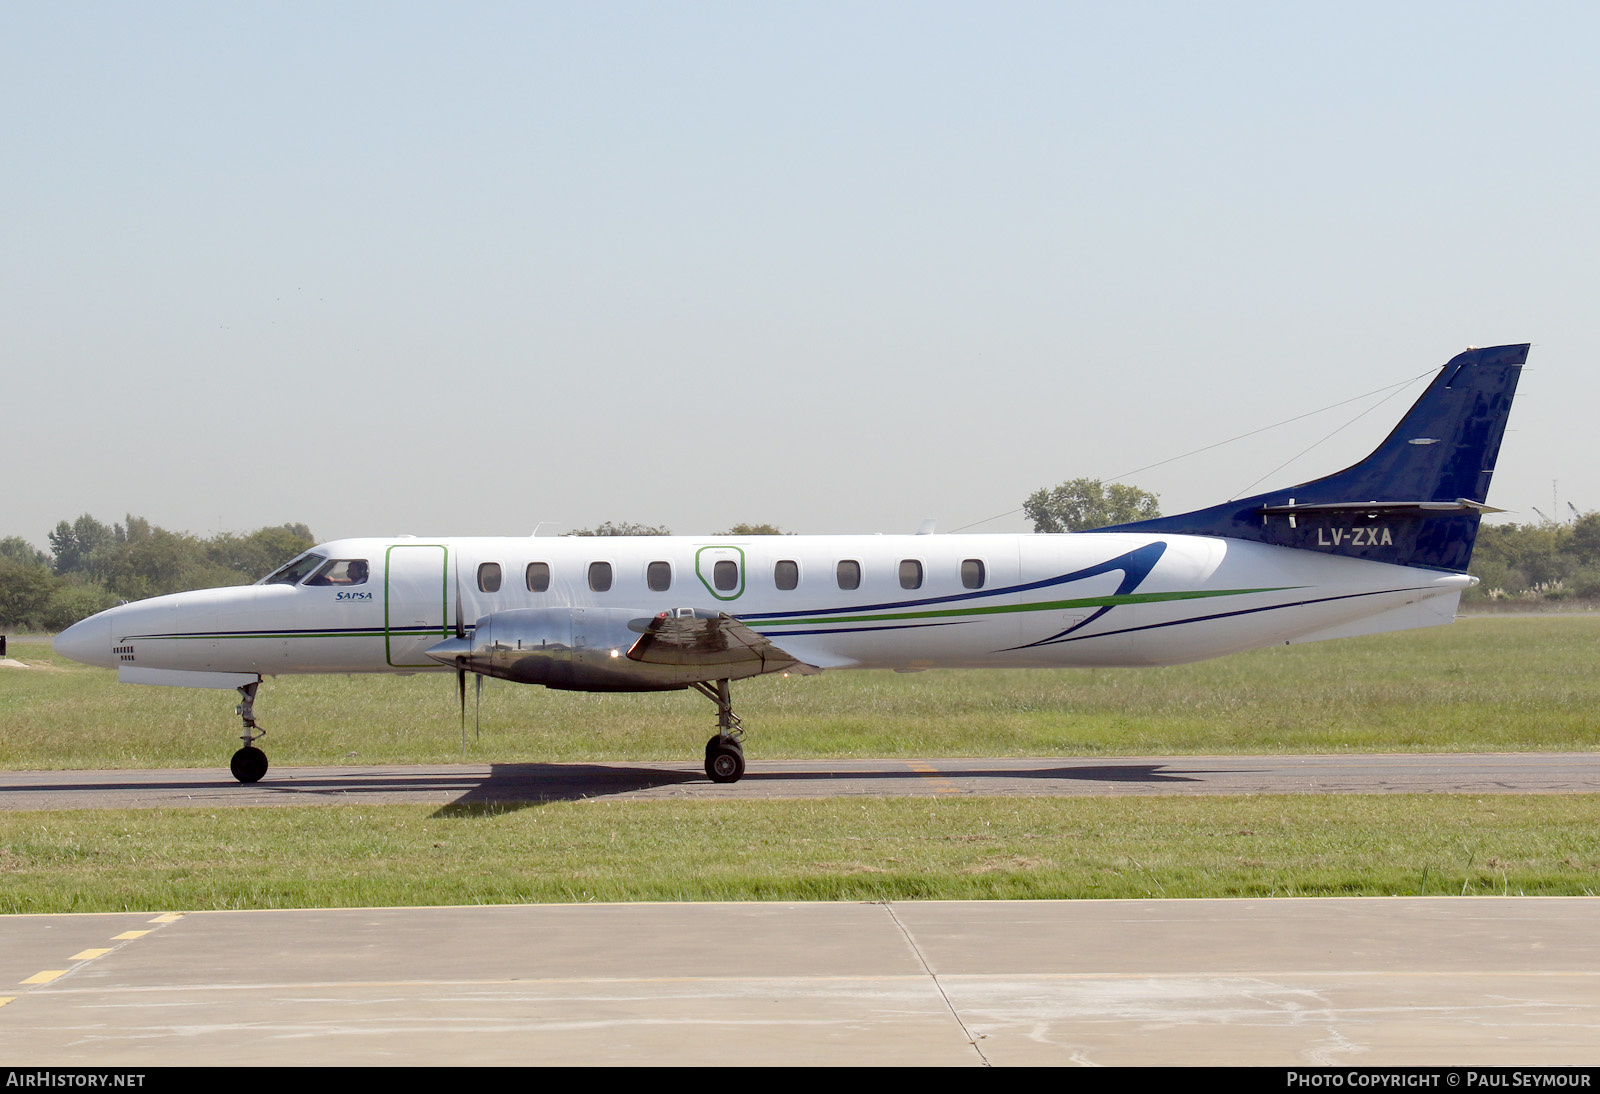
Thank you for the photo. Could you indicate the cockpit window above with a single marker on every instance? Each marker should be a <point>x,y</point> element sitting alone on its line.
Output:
<point>341,571</point>
<point>290,573</point>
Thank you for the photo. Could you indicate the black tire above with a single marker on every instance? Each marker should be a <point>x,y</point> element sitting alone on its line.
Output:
<point>724,762</point>
<point>248,764</point>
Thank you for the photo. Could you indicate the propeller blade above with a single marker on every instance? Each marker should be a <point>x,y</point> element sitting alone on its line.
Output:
<point>461,690</point>
<point>461,622</point>
<point>477,710</point>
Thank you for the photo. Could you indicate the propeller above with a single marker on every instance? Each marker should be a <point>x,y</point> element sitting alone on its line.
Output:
<point>439,653</point>
<point>461,665</point>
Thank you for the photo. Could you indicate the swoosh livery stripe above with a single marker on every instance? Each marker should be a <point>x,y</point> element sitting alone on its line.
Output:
<point>1136,566</point>
<point>1064,637</point>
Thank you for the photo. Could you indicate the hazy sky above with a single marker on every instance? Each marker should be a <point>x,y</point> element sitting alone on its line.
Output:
<point>459,268</point>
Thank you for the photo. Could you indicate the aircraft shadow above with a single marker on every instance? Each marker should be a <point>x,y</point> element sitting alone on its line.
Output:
<point>1110,773</point>
<point>517,786</point>
<point>520,785</point>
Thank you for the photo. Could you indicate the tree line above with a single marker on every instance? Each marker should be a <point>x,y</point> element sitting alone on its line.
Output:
<point>1543,561</point>
<point>93,566</point>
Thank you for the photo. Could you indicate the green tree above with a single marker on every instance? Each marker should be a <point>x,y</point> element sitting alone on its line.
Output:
<point>25,592</point>
<point>256,555</point>
<point>75,544</point>
<point>1544,559</point>
<point>1585,539</point>
<point>753,530</point>
<point>1516,557</point>
<point>96,565</point>
<point>626,528</point>
<point>17,549</point>
<point>1088,503</point>
<point>70,603</point>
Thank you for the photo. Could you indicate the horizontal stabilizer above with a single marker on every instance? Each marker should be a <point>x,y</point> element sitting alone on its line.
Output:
<point>1460,505</point>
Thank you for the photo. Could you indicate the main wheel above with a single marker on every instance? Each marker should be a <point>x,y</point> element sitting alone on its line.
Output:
<point>250,763</point>
<point>724,761</point>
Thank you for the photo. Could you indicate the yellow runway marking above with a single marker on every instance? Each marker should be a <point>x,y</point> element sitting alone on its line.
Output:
<point>48,975</point>
<point>941,785</point>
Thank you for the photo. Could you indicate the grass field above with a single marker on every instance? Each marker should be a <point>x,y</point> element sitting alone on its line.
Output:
<point>1485,684</point>
<point>876,849</point>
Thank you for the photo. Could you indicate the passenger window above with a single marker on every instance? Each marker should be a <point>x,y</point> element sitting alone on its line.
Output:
<point>786,575</point>
<point>489,577</point>
<point>725,575</point>
<point>600,576</point>
<point>972,573</point>
<point>910,573</point>
<point>658,575</point>
<point>538,577</point>
<point>849,574</point>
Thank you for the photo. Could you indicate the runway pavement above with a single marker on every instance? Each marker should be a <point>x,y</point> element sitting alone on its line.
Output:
<point>1327,982</point>
<point>1527,773</point>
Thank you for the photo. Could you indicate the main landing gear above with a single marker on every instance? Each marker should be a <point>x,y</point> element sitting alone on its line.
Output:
<point>249,763</point>
<point>724,752</point>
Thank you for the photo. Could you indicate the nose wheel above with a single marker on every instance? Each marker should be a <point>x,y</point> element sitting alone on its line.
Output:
<point>249,763</point>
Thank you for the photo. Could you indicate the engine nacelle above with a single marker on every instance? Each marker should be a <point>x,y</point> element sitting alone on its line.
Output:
<point>572,649</point>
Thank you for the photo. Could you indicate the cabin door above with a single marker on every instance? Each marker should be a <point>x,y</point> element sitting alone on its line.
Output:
<point>416,600</point>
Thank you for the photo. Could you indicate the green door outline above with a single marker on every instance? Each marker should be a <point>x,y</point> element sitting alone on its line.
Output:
<point>388,594</point>
<point>700,572</point>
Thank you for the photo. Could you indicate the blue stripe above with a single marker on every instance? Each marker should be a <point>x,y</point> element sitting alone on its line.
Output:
<point>320,632</point>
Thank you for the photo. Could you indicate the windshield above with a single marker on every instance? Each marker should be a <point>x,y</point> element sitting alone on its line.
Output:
<point>292,572</point>
<point>341,571</point>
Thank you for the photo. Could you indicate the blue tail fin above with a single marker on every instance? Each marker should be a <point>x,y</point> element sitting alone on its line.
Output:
<point>1416,501</point>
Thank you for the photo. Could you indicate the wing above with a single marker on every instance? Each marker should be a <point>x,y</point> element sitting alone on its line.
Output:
<point>710,641</point>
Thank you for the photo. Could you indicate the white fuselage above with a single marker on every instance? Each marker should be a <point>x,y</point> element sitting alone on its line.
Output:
<point>925,601</point>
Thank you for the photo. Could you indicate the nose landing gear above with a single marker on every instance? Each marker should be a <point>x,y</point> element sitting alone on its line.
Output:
<point>249,763</point>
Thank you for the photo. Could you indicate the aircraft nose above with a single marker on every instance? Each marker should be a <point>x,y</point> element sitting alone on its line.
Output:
<point>88,641</point>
